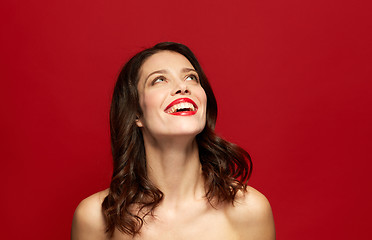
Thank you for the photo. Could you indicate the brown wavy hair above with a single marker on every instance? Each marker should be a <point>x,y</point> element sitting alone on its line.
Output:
<point>132,196</point>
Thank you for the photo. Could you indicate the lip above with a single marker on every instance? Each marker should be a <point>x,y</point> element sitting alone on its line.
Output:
<point>182,100</point>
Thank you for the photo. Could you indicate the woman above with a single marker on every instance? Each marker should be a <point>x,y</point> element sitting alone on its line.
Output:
<point>173,177</point>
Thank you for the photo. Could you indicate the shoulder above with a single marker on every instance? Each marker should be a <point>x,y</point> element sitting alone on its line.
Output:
<point>88,221</point>
<point>252,215</point>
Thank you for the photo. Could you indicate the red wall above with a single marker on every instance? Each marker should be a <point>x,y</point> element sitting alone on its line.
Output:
<point>292,79</point>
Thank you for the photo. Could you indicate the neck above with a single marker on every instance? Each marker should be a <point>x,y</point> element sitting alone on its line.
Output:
<point>174,167</point>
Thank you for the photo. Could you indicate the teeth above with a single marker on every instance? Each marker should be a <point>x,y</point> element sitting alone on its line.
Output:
<point>181,106</point>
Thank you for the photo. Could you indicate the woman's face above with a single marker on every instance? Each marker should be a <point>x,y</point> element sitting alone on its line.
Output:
<point>172,100</point>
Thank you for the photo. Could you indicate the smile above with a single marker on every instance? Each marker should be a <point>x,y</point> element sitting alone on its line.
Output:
<point>182,107</point>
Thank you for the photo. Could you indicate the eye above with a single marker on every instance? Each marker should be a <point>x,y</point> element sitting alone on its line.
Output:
<point>192,77</point>
<point>158,80</point>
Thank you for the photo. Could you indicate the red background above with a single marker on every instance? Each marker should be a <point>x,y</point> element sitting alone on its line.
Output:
<point>292,79</point>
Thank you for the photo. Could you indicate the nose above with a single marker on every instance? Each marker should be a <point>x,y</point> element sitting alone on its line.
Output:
<point>180,88</point>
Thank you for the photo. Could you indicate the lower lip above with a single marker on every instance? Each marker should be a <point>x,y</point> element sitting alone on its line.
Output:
<point>186,113</point>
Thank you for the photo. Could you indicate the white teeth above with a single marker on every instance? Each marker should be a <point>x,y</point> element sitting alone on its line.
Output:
<point>181,106</point>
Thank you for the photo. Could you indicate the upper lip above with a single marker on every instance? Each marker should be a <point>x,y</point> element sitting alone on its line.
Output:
<point>181,100</point>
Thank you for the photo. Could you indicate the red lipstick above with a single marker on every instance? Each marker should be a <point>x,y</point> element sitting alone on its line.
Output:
<point>187,105</point>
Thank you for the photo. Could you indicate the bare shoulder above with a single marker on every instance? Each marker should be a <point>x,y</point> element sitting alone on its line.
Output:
<point>252,215</point>
<point>88,221</point>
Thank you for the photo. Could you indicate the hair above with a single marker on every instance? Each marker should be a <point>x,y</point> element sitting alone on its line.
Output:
<point>132,196</point>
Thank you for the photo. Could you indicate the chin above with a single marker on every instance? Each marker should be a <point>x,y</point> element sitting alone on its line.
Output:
<point>185,130</point>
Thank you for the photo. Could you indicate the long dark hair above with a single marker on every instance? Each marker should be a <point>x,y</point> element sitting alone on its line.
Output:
<point>226,167</point>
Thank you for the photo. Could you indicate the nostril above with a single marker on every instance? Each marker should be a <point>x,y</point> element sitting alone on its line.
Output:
<point>182,91</point>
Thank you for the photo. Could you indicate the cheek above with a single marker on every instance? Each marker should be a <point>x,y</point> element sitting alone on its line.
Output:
<point>150,102</point>
<point>202,96</point>
<point>145,104</point>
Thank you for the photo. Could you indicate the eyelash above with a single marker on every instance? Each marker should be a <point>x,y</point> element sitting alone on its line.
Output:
<point>158,78</point>
<point>163,78</point>
<point>194,76</point>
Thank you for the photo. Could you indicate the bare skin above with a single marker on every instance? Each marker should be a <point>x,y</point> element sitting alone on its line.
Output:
<point>249,219</point>
<point>174,167</point>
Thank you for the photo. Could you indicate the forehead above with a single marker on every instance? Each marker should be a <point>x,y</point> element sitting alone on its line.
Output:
<point>164,60</point>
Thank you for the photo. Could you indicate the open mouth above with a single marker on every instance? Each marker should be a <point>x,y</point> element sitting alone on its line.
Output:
<point>182,106</point>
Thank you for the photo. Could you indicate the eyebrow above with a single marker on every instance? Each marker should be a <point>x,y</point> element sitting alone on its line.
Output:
<point>184,70</point>
<point>163,71</point>
<point>156,72</point>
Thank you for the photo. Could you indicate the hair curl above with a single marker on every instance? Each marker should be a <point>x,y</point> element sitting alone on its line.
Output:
<point>226,167</point>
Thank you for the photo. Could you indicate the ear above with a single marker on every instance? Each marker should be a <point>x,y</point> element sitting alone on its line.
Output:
<point>138,122</point>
